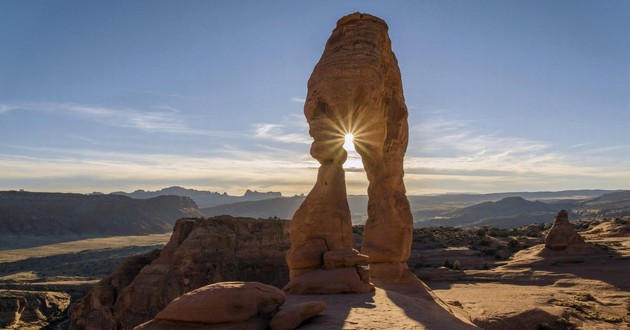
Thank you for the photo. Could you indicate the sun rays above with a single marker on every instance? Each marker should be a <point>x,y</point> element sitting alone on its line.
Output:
<point>348,143</point>
<point>354,131</point>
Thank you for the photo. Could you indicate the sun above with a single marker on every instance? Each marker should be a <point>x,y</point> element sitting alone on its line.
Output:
<point>348,143</point>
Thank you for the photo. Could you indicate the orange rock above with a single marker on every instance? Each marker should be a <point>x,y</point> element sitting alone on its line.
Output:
<point>344,258</point>
<point>289,318</point>
<point>356,88</point>
<point>224,302</point>
<point>562,235</point>
<point>329,281</point>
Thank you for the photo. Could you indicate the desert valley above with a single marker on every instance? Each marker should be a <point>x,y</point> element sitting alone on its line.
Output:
<point>492,270</point>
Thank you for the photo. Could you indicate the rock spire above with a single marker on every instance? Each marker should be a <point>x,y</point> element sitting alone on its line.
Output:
<point>562,236</point>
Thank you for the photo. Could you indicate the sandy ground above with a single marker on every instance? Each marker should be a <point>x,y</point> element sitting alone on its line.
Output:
<point>591,292</point>
<point>82,245</point>
<point>527,292</point>
<point>381,309</point>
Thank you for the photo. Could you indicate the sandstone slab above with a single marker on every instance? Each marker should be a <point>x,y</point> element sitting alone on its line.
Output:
<point>289,318</point>
<point>225,302</point>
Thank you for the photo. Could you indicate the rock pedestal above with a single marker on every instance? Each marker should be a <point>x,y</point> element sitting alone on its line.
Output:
<point>356,89</point>
<point>562,236</point>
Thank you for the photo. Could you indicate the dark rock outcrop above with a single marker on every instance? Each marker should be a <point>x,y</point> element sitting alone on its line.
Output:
<point>200,252</point>
<point>31,309</point>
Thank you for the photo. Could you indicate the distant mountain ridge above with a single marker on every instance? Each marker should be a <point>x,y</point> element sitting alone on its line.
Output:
<point>59,214</point>
<point>515,207</point>
<point>508,212</point>
<point>202,198</point>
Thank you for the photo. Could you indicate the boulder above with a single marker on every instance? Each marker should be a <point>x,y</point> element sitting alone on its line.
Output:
<point>224,302</point>
<point>289,318</point>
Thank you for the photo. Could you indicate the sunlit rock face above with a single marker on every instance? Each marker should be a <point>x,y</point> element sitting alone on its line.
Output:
<point>356,89</point>
<point>562,235</point>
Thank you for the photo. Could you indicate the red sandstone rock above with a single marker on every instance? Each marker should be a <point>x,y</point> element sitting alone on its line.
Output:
<point>200,252</point>
<point>289,318</point>
<point>356,88</point>
<point>330,281</point>
<point>562,235</point>
<point>224,302</point>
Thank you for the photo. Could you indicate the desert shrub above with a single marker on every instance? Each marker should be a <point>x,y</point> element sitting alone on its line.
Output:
<point>457,265</point>
<point>485,266</point>
<point>447,264</point>
<point>497,232</point>
<point>513,244</point>
<point>489,251</point>
<point>584,297</point>
<point>481,232</point>
<point>485,242</point>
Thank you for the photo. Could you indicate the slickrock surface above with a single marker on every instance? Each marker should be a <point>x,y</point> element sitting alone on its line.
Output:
<point>291,317</point>
<point>355,88</point>
<point>226,304</point>
<point>382,309</point>
<point>31,309</point>
<point>200,252</point>
<point>526,293</point>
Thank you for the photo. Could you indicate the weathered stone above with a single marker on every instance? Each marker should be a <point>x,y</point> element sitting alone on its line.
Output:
<point>329,281</point>
<point>356,88</point>
<point>289,318</point>
<point>309,255</point>
<point>344,258</point>
<point>225,302</point>
<point>21,309</point>
<point>200,252</point>
<point>562,235</point>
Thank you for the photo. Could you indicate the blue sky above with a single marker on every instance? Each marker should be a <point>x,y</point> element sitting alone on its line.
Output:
<point>121,95</point>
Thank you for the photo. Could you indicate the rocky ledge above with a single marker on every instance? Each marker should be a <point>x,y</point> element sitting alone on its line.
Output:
<point>200,252</point>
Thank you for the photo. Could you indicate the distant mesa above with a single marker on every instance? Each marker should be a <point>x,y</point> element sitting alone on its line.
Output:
<point>203,199</point>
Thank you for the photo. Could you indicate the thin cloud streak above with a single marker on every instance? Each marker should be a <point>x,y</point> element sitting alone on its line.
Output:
<point>277,132</point>
<point>129,169</point>
<point>168,120</point>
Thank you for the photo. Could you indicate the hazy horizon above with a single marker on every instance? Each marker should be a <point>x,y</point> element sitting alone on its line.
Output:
<point>502,96</point>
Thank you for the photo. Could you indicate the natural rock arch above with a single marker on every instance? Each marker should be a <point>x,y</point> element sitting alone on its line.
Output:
<point>355,88</point>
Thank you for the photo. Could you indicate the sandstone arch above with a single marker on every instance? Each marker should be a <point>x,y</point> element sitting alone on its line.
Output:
<point>355,88</point>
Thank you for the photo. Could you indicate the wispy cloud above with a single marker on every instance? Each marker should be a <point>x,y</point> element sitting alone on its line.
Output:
<point>297,99</point>
<point>5,108</point>
<point>90,169</point>
<point>291,129</point>
<point>452,154</point>
<point>164,120</point>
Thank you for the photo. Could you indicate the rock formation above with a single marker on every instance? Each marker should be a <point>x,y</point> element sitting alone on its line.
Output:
<point>31,309</point>
<point>291,317</point>
<point>243,305</point>
<point>355,88</point>
<point>233,305</point>
<point>562,236</point>
<point>200,252</point>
